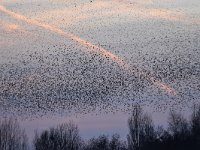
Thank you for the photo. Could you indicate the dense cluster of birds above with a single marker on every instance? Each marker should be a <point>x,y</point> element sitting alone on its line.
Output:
<point>64,78</point>
<point>68,78</point>
<point>60,79</point>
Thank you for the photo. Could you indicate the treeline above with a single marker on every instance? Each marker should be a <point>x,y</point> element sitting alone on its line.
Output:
<point>181,134</point>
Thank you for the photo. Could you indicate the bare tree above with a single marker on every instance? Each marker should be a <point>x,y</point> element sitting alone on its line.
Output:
<point>116,143</point>
<point>195,126</point>
<point>100,143</point>
<point>12,137</point>
<point>63,137</point>
<point>135,123</point>
<point>141,128</point>
<point>148,133</point>
<point>178,126</point>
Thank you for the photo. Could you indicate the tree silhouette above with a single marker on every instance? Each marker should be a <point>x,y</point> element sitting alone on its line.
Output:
<point>12,137</point>
<point>195,126</point>
<point>141,129</point>
<point>103,143</point>
<point>63,137</point>
<point>181,134</point>
<point>116,143</point>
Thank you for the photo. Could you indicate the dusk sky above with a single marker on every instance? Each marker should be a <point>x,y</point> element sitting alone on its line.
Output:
<point>90,61</point>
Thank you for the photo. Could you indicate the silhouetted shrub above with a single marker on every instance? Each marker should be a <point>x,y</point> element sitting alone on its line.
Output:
<point>103,143</point>
<point>117,144</point>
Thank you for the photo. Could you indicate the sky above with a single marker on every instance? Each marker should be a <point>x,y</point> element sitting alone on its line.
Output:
<point>91,61</point>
